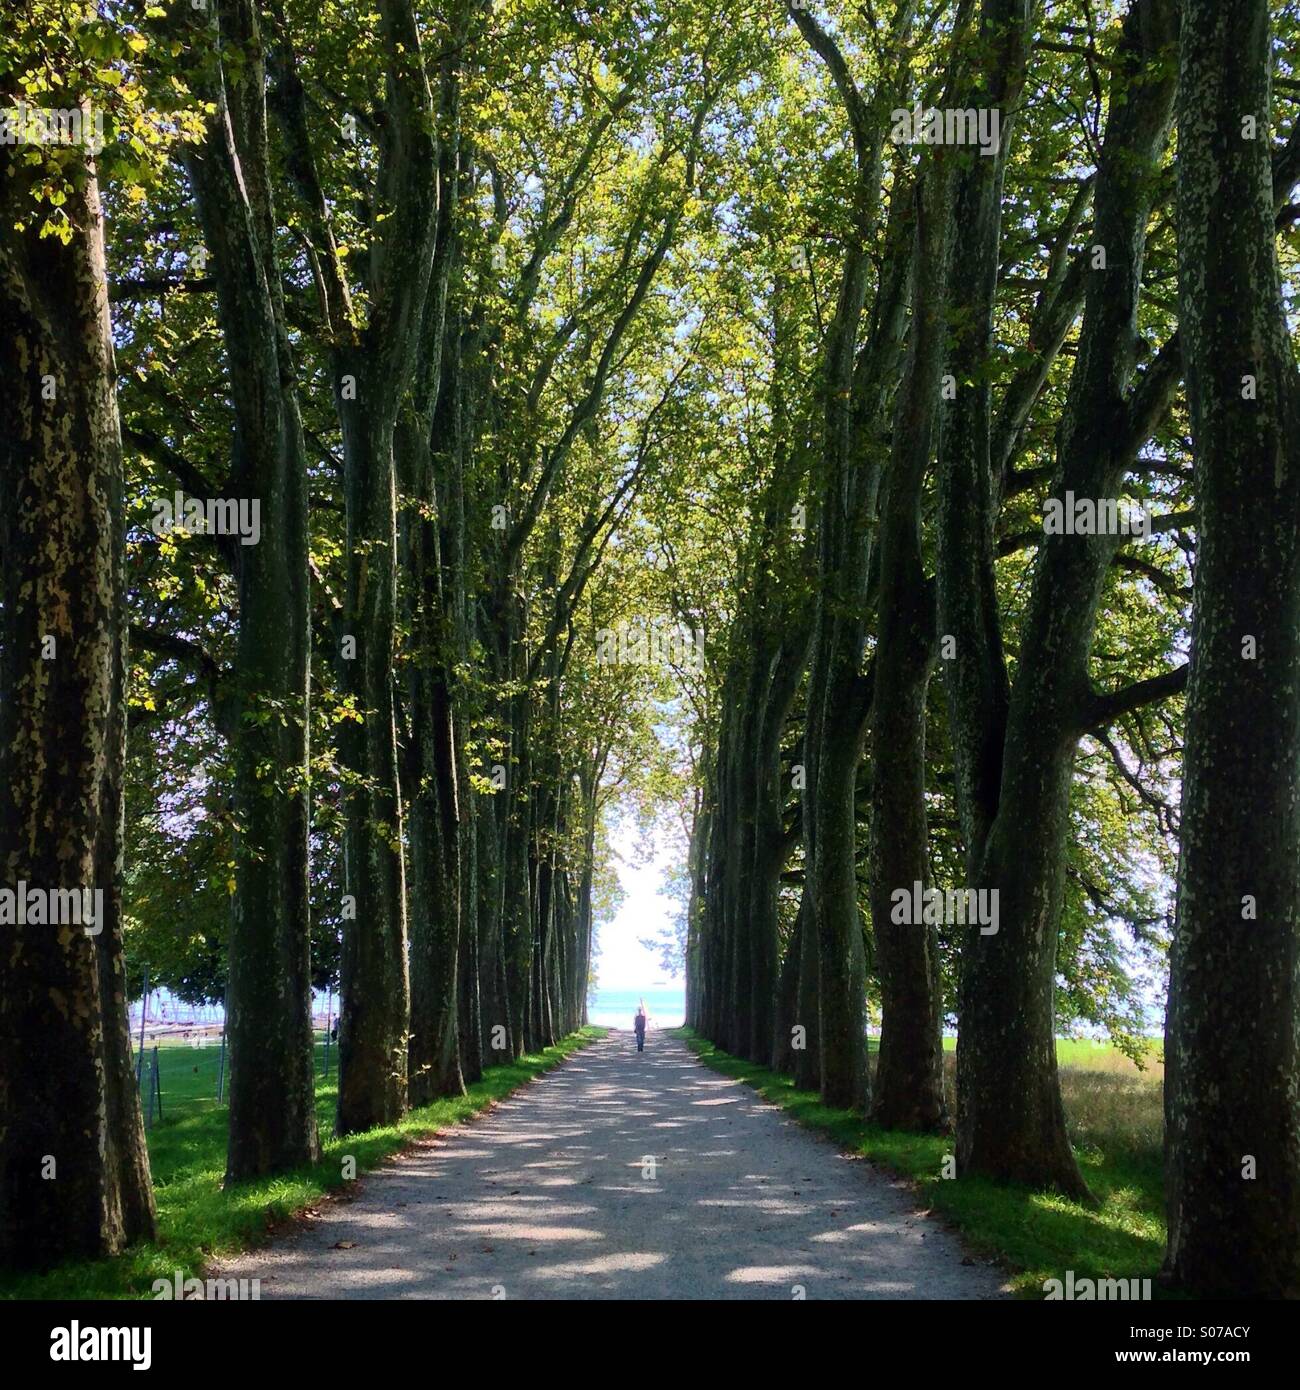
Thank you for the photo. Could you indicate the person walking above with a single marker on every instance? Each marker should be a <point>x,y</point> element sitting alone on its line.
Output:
<point>638,1023</point>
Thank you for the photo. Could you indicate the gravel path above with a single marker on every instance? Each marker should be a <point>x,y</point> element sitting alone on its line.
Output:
<point>623,1176</point>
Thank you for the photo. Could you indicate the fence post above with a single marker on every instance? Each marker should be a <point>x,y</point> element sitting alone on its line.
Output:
<point>153,1088</point>
<point>329,1009</point>
<point>144,1008</point>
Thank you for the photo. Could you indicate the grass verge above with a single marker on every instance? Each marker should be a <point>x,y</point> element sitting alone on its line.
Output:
<point>1035,1235</point>
<point>198,1221</point>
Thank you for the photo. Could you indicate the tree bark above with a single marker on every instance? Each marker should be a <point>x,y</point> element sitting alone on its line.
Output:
<point>847,490</point>
<point>807,1069</point>
<point>74,1171</point>
<point>908,1085</point>
<point>787,998</point>
<point>1232,1054</point>
<point>375,988</point>
<point>1011,1122</point>
<point>268,995</point>
<point>427,436</point>
<point>374,370</point>
<point>434,869</point>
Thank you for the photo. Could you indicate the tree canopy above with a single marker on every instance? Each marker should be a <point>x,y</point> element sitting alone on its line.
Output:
<point>857,438</point>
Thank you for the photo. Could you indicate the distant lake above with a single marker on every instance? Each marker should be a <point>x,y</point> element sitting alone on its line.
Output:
<point>617,1007</point>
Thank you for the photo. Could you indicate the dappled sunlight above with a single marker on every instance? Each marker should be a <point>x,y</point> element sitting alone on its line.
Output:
<point>772,1274</point>
<point>630,1264</point>
<point>531,1232</point>
<point>740,1203</point>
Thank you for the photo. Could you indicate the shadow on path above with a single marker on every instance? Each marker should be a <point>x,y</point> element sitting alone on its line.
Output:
<point>620,1175</point>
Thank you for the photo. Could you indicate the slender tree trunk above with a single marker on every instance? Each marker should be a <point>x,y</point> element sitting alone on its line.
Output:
<point>908,1089</point>
<point>850,473</point>
<point>787,998</point>
<point>268,993</point>
<point>700,822</point>
<point>518,927</point>
<point>842,977</point>
<point>833,737</point>
<point>588,790</point>
<point>769,850</point>
<point>376,1001</point>
<point>808,1057</point>
<point>469,1015</point>
<point>493,1011</point>
<point>375,369</point>
<point>739,867</point>
<point>722,890</point>
<point>765,889</point>
<point>434,874</point>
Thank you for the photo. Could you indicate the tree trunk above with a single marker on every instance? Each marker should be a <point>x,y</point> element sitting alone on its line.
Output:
<point>908,1087</point>
<point>375,1005</point>
<point>268,993</point>
<point>1010,1122</point>
<point>846,491</point>
<point>833,882</point>
<point>74,1172</point>
<point>434,872</point>
<point>807,1068</point>
<point>493,1012</point>
<point>1232,1042</point>
<point>787,998</point>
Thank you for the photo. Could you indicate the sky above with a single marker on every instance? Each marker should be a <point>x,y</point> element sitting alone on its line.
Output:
<point>623,963</point>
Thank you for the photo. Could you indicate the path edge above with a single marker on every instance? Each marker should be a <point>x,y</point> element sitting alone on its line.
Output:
<point>706,1053</point>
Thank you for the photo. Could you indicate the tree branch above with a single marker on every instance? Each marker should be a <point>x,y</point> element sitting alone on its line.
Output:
<point>1101,709</point>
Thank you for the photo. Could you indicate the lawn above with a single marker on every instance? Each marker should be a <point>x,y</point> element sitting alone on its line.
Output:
<point>198,1220</point>
<point>1114,1116</point>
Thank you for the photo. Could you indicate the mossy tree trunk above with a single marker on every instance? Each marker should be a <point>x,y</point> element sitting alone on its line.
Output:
<point>268,995</point>
<point>74,1172</point>
<point>908,1087</point>
<point>1233,1031</point>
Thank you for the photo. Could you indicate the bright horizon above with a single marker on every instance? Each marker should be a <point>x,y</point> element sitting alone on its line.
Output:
<point>621,962</point>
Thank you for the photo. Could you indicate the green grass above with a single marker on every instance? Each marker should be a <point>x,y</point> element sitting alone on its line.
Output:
<point>198,1220</point>
<point>1083,1052</point>
<point>1114,1119</point>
